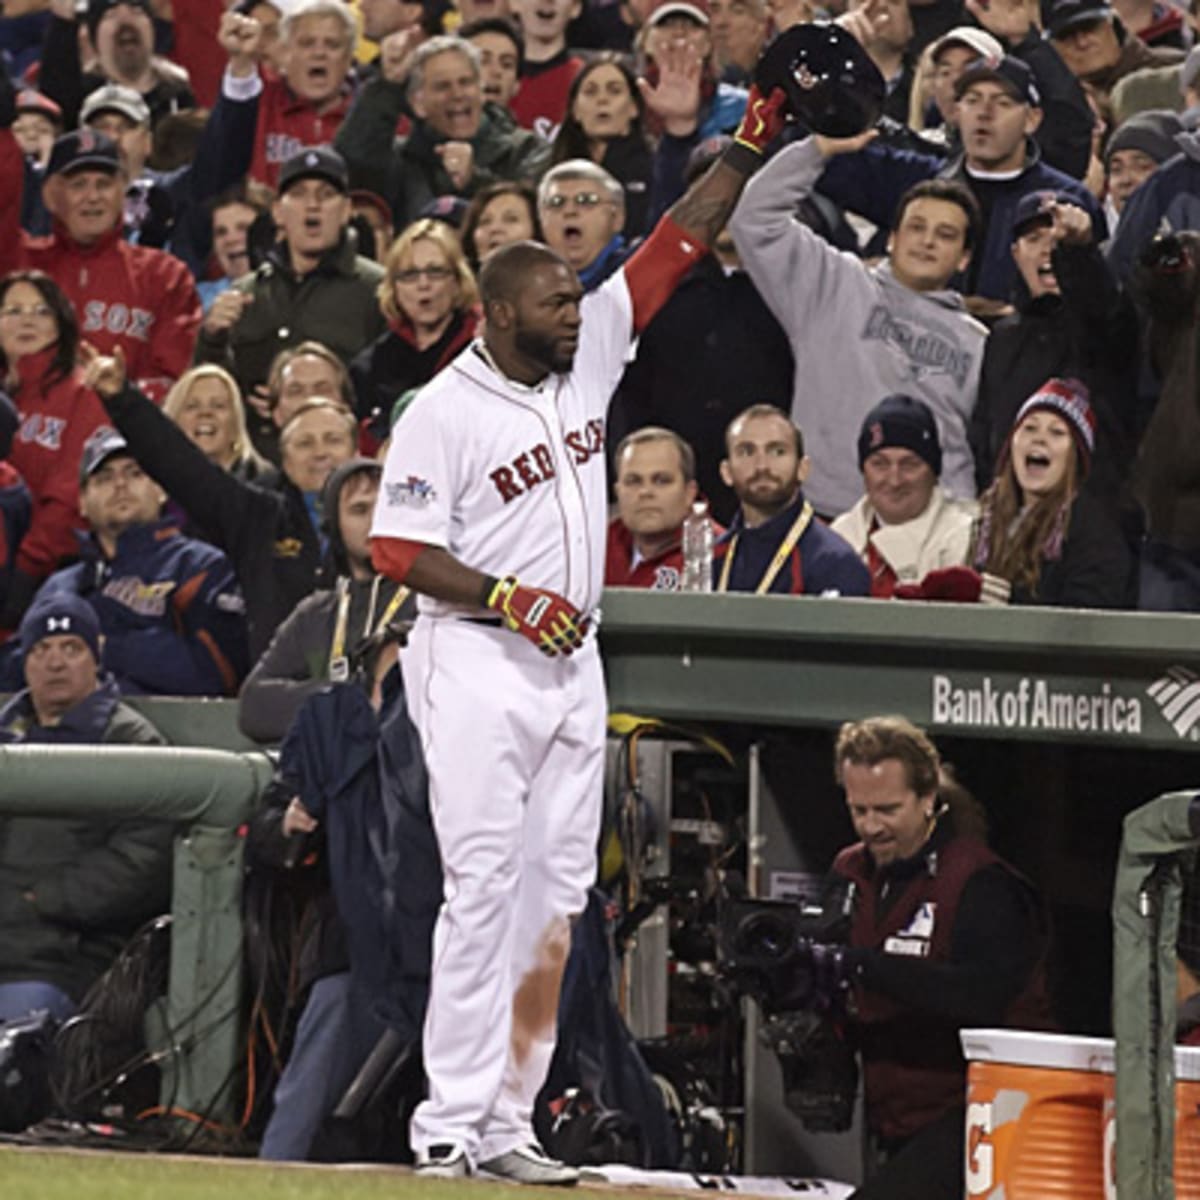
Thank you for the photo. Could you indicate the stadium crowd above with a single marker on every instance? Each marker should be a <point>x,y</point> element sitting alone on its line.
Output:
<point>949,358</point>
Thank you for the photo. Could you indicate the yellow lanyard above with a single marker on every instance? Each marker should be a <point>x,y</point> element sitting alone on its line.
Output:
<point>339,664</point>
<point>799,525</point>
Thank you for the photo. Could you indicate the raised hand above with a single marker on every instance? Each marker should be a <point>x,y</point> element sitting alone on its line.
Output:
<point>241,38</point>
<point>458,161</point>
<point>675,98</point>
<point>103,373</point>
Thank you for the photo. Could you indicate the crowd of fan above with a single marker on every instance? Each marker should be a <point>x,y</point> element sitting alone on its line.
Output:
<point>948,359</point>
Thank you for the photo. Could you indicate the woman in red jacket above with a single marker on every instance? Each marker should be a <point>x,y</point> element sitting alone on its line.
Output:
<point>39,339</point>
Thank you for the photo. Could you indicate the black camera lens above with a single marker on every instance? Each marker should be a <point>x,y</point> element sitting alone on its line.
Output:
<point>763,935</point>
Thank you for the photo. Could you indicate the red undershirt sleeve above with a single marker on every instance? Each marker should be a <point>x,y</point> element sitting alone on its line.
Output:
<point>394,557</point>
<point>656,267</point>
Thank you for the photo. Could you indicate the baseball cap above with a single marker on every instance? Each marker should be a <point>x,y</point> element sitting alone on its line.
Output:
<point>113,97</point>
<point>1009,72</point>
<point>83,150</point>
<point>98,450</point>
<point>30,100</point>
<point>59,616</point>
<point>1061,16</point>
<point>697,10</point>
<point>973,38</point>
<point>97,8</point>
<point>1033,209</point>
<point>315,162</point>
<point>451,209</point>
<point>905,423</point>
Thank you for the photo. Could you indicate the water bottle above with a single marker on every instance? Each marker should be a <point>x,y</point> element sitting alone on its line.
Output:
<point>697,549</point>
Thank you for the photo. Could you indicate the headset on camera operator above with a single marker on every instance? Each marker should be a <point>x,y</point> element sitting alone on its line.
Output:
<point>943,935</point>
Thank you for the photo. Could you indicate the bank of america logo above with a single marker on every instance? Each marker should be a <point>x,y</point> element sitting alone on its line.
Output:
<point>1177,695</point>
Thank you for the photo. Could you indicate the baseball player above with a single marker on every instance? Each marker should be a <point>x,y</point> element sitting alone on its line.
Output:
<point>493,508</point>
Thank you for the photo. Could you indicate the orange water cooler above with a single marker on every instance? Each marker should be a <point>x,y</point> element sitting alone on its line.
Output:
<point>1036,1124</point>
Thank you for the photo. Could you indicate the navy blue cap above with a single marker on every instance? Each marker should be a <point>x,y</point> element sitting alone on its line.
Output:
<point>61,615</point>
<point>315,162</point>
<point>100,447</point>
<point>1033,209</point>
<point>903,422</point>
<point>1061,16</point>
<point>83,150</point>
<point>1009,72</point>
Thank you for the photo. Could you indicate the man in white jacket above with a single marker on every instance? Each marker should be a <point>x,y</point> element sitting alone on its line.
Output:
<point>905,525</point>
<point>858,332</point>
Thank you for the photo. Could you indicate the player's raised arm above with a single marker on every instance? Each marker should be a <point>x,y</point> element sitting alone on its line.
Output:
<point>689,227</point>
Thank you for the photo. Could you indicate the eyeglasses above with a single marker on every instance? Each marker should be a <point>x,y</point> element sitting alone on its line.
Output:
<point>433,274</point>
<point>580,199</point>
<point>40,311</point>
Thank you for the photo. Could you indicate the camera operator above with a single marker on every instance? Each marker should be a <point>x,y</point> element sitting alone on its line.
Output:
<point>944,935</point>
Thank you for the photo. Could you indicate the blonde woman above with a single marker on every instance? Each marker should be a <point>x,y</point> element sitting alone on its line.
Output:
<point>429,297</point>
<point>206,404</point>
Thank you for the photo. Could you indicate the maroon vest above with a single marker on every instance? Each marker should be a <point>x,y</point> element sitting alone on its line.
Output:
<point>913,1068</point>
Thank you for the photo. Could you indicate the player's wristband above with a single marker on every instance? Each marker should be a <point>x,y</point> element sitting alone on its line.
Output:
<point>488,591</point>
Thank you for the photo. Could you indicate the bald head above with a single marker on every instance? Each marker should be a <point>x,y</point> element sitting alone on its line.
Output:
<point>505,271</point>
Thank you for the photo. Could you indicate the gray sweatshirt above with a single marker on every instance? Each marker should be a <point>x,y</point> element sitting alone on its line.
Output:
<point>857,334</point>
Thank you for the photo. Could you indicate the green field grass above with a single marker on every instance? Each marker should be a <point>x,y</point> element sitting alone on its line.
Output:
<point>98,1175</point>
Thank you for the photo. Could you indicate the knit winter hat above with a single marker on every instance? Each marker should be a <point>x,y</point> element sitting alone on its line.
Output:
<point>60,615</point>
<point>1152,132</point>
<point>1067,398</point>
<point>903,422</point>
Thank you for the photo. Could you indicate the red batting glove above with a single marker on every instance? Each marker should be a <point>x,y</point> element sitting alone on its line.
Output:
<point>762,120</point>
<point>549,621</point>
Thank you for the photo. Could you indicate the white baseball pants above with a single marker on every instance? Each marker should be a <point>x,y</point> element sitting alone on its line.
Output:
<point>514,744</point>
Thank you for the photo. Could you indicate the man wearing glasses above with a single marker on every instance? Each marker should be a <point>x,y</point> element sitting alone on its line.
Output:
<point>313,286</point>
<point>582,208</point>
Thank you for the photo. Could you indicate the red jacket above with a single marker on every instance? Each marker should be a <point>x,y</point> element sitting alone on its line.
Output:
<point>197,49</point>
<point>56,423</point>
<point>135,297</point>
<point>286,123</point>
<point>540,101</point>
<point>662,573</point>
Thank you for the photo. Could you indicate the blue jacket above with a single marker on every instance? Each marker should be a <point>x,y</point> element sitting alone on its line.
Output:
<point>363,776</point>
<point>872,182</point>
<point>170,610</point>
<point>821,561</point>
<point>1169,199</point>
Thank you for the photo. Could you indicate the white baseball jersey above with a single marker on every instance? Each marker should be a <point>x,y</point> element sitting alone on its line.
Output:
<point>511,479</point>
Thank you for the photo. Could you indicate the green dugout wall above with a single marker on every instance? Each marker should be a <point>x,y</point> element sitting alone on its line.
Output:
<point>1041,675</point>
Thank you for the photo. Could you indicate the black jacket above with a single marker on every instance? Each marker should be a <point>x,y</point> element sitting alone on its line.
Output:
<point>630,161</point>
<point>1095,569</point>
<point>392,364</point>
<point>1089,333</point>
<point>712,349</point>
<point>94,881</point>
<point>266,531</point>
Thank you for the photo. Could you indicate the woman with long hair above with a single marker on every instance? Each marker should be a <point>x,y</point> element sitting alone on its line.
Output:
<point>501,212</point>
<point>605,125</point>
<point>39,341</point>
<point>206,404</point>
<point>428,296</point>
<point>1039,529</point>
